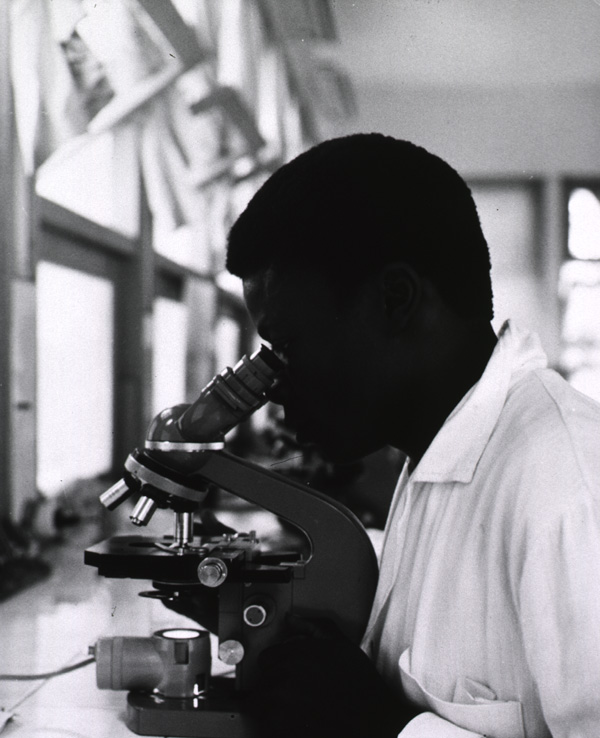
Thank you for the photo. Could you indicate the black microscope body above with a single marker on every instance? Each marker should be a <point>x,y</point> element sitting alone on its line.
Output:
<point>242,593</point>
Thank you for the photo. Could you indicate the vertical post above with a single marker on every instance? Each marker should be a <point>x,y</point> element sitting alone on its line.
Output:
<point>553,214</point>
<point>147,293</point>
<point>17,304</point>
<point>132,333</point>
<point>135,302</point>
<point>130,330</point>
<point>7,135</point>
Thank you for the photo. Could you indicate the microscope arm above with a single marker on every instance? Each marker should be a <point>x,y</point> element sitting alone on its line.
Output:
<point>341,574</point>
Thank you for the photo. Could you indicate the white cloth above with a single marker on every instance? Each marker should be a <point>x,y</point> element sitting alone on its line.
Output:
<point>487,611</point>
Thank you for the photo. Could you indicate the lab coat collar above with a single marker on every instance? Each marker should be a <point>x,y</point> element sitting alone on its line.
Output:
<point>456,449</point>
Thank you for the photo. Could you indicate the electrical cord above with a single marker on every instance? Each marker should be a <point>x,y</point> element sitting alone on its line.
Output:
<point>48,674</point>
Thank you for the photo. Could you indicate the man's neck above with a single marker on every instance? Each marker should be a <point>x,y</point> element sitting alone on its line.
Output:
<point>461,362</point>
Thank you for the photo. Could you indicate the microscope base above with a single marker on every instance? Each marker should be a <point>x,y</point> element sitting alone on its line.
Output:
<point>209,716</point>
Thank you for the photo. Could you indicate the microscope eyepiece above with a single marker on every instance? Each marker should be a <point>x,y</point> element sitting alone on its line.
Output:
<point>228,399</point>
<point>178,432</point>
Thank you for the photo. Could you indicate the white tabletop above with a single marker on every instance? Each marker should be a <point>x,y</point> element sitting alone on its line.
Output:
<point>52,624</point>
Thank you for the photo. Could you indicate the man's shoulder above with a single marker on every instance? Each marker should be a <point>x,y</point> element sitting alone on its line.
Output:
<point>543,404</point>
<point>548,438</point>
<point>542,465</point>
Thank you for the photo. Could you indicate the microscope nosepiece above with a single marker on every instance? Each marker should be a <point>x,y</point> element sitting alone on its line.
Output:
<point>143,511</point>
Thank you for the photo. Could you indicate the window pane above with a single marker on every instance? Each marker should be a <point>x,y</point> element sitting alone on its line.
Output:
<point>95,177</point>
<point>580,291</point>
<point>581,320</point>
<point>580,357</point>
<point>74,375</point>
<point>507,214</point>
<point>584,224</point>
<point>227,349</point>
<point>227,342</point>
<point>169,358</point>
<point>188,245</point>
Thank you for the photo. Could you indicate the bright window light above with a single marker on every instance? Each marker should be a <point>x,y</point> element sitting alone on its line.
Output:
<point>584,224</point>
<point>169,358</point>
<point>587,380</point>
<point>74,376</point>
<point>227,342</point>
<point>507,214</point>
<point>581,322</point>
<point>227,348</point>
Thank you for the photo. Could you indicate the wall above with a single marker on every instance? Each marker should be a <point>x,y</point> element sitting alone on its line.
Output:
<point>491,131</point>
<point>538,133</point>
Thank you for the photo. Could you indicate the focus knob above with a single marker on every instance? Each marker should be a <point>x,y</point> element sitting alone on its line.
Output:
<point>231,652</point>
<point>212,572</point>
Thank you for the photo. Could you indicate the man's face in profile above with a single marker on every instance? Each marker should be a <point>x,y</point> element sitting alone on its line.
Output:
<point>332,392</point>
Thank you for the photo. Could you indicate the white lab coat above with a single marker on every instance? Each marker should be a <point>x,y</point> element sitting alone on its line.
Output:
<point>487,612</point>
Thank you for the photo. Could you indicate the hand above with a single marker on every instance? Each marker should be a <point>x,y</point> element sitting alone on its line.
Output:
<point>319,684</point>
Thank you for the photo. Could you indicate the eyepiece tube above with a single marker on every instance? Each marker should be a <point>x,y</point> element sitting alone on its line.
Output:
<point>228,399</point>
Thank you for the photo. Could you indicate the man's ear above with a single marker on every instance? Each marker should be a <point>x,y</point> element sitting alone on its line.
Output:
<point>402,289</point>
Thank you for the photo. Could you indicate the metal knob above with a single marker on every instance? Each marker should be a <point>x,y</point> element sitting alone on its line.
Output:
<point>143,511</point>
<point>231,652</point>
<point>255,616</point>
<point>115,495</point>
<point>212,572</point>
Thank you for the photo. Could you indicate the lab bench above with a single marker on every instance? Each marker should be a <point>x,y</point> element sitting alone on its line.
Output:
<point>52,624</point>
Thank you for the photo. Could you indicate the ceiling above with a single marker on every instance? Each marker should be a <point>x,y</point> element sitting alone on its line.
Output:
<point>478,43</point>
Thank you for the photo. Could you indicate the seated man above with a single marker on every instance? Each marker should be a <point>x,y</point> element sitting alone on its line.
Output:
<point>364,265</point>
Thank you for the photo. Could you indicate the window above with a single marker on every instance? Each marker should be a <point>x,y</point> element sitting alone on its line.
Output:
<point>508,214</point>
<point>580,291</point>
<point>75,319</point>
<point>95,177</point>
<point>169,353</point>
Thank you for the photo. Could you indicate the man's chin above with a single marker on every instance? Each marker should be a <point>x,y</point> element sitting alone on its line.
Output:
<point>332,452</point>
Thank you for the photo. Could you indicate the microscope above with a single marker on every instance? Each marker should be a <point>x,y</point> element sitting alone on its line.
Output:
<point>243,594</point>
